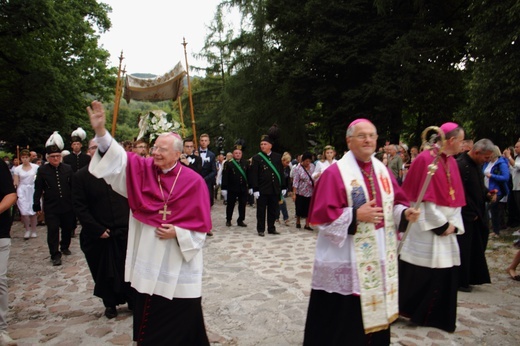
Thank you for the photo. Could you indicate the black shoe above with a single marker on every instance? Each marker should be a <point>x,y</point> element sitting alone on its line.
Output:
<point>228,223</point>
<point>465,289</point>
<point>66,252</point>
<point>298,225</point>
<point>110,312</point>
<point>308,228</point>
<point>241,224</point>
<point>56,261</point>
<point>210,234</point>
<point>261,234</point>
<point>275,232</point>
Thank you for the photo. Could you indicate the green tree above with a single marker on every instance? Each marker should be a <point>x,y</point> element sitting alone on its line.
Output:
<point>494,66</point>
<point>394,63</point>
<point>50,66</point>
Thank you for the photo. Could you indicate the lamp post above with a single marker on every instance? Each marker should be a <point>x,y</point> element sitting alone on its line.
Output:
<point>221,142</point>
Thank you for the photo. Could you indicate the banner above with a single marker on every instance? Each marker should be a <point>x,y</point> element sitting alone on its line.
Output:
<point>165,87</point>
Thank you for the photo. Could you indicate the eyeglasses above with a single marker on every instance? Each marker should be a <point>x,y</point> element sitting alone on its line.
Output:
<point>93,147</point>
<point>140,147</point>
<point>159,149</point>
<point>364,136</point>
<point>55,156</point>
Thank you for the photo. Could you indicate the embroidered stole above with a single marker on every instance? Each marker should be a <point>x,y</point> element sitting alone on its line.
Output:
<point>378,289</point>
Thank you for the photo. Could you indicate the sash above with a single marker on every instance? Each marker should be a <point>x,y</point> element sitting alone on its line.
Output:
<point>273,168</point>
<point>378,286</point>
<point>239,169</point>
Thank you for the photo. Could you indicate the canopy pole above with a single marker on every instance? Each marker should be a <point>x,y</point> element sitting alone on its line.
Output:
<point>183,127</point>
<point>193,125</point>
<point>117,99</point>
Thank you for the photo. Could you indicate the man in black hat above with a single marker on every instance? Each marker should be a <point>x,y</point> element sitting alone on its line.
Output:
<point>234,186</point>
<point>77,159</point>
<point>266,181</point>
<point>53,181</point>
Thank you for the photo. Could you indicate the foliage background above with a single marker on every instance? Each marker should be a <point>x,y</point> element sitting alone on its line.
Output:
<point>308,66</point>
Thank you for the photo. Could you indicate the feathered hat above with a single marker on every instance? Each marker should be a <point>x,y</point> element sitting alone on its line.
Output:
<point>240,144</point>
<point>78,135</point>
<point>54,144</point>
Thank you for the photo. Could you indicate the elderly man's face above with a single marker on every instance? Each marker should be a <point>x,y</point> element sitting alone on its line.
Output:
<point>481,157</point>
<point>265,147</point>
<point>164,155</point>
<point>363,141</point>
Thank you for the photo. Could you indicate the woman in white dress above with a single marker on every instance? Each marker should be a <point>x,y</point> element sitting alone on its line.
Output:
<point>328,158</point>
<point>24,176</point>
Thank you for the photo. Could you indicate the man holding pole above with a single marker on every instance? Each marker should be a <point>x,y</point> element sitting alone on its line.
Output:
<point>430,257</point>
<point>357,207</point>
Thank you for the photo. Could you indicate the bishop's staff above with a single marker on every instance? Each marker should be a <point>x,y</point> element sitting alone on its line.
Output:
<point>432,168</point>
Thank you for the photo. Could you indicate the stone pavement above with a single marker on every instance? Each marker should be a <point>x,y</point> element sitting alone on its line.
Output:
<point>255,292</point>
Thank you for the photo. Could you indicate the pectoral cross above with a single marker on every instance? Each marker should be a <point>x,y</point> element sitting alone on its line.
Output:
<point>452,193</point>
<point>164,212</point>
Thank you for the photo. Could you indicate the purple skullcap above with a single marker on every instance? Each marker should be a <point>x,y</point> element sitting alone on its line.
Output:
<point>175,134</point>
<point>360,120</point>
<point>449,126</point>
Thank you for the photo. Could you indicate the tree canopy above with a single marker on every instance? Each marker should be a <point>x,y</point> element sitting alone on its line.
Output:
<point>50,65</point>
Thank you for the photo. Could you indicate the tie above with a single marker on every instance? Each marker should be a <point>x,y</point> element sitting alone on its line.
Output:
<point>203,151</point>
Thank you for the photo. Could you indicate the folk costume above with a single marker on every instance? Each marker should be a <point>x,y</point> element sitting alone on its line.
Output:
<point>54,183</point>
<point>99,209</point>
<point>266,178</point>
<point>234,181</point>
<point>80,159</point>
<point>473,267</point>
<point>429,262</point>
<point>354,282</point>
<point>167,273</point>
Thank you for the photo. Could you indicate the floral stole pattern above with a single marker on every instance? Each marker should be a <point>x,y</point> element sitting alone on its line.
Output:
<point>378,285</point>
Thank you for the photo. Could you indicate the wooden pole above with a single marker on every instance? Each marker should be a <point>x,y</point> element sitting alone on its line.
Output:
<point>193,125</point>
<point>183,128</point>
<point>117,98</point>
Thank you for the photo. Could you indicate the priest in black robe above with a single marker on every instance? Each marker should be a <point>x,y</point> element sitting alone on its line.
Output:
<point>103,215</point>
<point>473,266</point>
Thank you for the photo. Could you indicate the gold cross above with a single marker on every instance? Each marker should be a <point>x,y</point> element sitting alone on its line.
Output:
<point>374,303</point>
<point>164,212</point>
<point>452,193</point>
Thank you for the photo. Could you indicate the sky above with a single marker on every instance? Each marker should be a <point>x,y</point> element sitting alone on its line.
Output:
<point>150,33</point>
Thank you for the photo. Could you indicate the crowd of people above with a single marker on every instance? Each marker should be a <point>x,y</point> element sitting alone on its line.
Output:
<point>394,238</point>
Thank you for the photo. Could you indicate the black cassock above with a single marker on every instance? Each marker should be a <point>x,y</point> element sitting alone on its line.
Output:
<point>473,243</point>
<point>99,208</point>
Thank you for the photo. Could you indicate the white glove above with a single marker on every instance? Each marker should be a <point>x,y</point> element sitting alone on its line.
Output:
<point>284,191</point>
<point>224,194</point>
<point>256,194</point>
<point>250,191</point>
